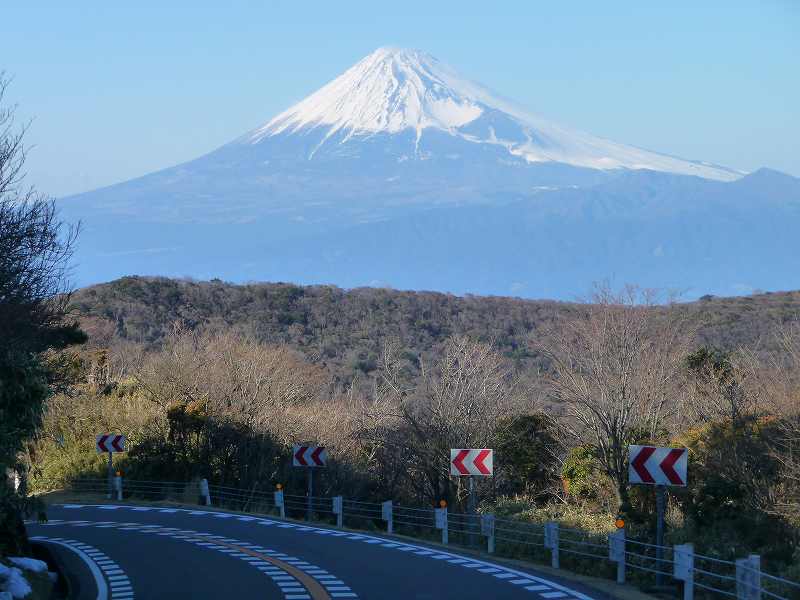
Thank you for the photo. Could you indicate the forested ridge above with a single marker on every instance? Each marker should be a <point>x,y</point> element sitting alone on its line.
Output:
<point>215,380</point>
<point>345,330</point>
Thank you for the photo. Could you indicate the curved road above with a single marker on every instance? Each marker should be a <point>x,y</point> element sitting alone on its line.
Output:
<point>145,552</point>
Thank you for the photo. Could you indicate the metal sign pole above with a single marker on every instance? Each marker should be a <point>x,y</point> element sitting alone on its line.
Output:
<point>472,503</point>
<point>110,475</point>
<point>472,507</point>
<point>310,491</point>
<point>660,501</point>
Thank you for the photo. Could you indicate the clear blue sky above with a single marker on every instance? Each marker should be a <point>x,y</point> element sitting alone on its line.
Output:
<point>121,89</point>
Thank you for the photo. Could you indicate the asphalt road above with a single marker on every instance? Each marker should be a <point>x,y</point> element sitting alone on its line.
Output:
<point>118,551</point>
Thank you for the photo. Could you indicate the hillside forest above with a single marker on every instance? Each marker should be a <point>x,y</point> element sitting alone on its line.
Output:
<point>214,380</point>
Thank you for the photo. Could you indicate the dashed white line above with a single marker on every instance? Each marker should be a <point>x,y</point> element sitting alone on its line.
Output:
<point>548,589</point>
<point>288,584</point>
<point>105,572</point>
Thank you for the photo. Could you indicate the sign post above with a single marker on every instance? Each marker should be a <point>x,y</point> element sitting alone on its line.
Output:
<point>748,577</point>
<point>110,475</point>
<point>118,485</point>
<point>310,503</point>
<point>616,552</point>
<point>109,442</point>
<point>338,510</point>
<point>310,457</point>
<point>472,462</point>
<point>279,500</point>
<point>487,529</point>
<point>205,492</point>
<point>386,515</point>
<point>440,519</point>
<point>683,568</point>
<point>650,465</point>
<point>551,541</point>
<point>660,502</point>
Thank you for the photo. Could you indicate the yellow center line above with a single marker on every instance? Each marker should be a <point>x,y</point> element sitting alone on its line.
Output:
<point>313,587</point>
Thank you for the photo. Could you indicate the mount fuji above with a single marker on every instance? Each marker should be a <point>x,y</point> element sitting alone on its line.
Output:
<point>402,173</point>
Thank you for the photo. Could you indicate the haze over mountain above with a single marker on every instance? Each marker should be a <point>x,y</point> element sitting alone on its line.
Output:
<point>400,172</point>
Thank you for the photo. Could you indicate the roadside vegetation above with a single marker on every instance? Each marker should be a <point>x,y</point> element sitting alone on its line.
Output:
<point>560,404</point>
<point>35,248</point>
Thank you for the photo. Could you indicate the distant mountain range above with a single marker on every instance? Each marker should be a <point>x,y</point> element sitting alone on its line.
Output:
<point>402,173</point>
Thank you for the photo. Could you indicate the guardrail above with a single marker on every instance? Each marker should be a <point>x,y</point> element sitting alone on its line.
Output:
<point>614,556</point>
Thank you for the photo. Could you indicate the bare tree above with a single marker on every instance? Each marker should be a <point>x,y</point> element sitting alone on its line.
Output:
<point>35,248</point>
<point>226,376</point>
<point>460,404</point>
<point>614,371</point>
<point>717,387</point>
<point>379,428</point>
<point>774,380</point>
<point>34,257</point>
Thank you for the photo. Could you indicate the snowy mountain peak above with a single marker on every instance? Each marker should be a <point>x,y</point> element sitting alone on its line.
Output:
<point>393,90</point>
<point>390,90</point>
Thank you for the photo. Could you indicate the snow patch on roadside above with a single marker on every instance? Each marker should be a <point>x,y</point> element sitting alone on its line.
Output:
<point>13,582</point>
<point>29,564</point>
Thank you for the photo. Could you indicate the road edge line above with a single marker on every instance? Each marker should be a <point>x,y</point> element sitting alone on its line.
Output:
<point>100,580</point>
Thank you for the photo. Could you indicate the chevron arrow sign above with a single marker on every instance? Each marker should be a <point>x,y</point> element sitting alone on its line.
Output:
<point>109,442</point>
<point>309,456</point>
<point>650,465</point>
<point>471,461</point>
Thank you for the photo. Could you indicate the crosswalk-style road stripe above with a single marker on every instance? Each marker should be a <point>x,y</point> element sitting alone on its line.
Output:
<point>296,578</point>
<point>106,573</point>
<point>545,588</point>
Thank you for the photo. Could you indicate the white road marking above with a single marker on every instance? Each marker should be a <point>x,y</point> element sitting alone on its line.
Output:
<point>288,584</point>
<point>337,588</point>
<point>501,572</point>
<point>104,572</point>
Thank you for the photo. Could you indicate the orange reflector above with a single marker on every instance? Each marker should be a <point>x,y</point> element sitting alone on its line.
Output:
<point>619,523</point>
<point>443,503</point>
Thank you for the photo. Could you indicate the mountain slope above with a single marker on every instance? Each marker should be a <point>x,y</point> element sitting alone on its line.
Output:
<point>395,90</point>
<point>402,172</point>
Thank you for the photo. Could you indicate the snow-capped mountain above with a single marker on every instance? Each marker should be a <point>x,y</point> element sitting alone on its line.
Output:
<point>395,90</point>
<point>402,172</point>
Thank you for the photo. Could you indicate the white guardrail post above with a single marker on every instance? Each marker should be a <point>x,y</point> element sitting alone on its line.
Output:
<point>338,510</point>
<point>118,486</point>
<point>205,494</point>
<point>487,529</point>
<point>279,503</point>
<point>748,578</point>
<point>386,515</point>
<point>440,520</point>
<point>683,568</point>
<point>551,541</point>
<point>616,552</point>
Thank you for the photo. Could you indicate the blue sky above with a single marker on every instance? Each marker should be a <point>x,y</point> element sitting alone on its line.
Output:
<point>117,90</point>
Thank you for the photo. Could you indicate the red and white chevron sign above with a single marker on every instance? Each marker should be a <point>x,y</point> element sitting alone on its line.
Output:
<point>110,442</point>
<point>657,466</point>
<point>471,461</point>
<point>309,456</point>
